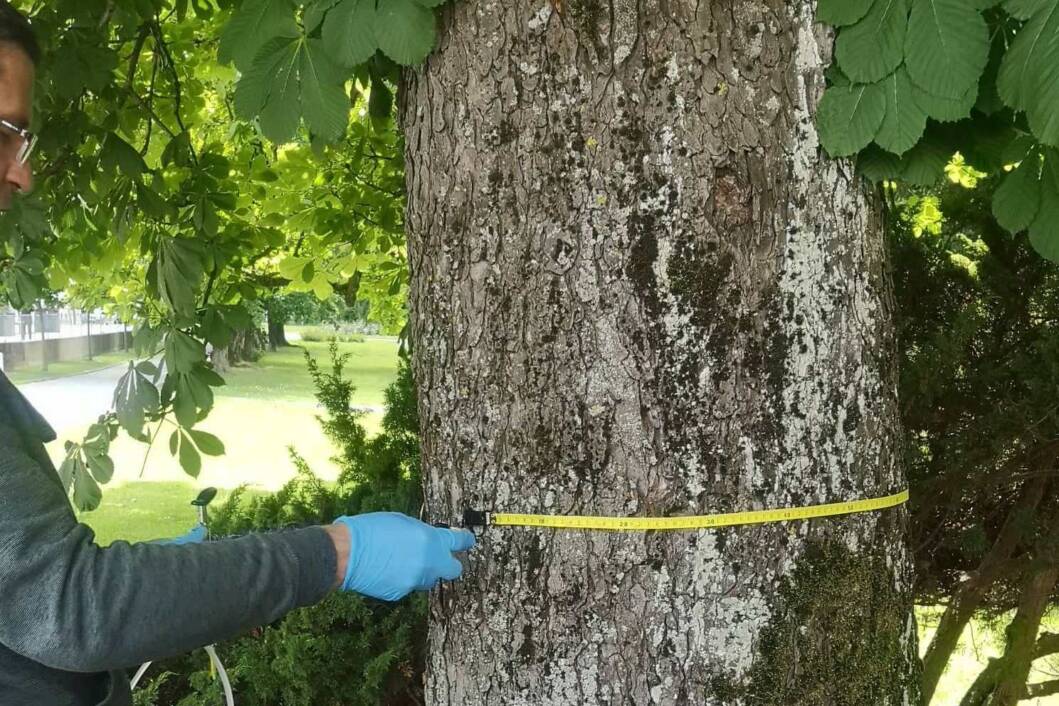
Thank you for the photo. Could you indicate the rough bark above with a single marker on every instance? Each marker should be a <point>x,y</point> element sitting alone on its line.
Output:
<point>639,288</point>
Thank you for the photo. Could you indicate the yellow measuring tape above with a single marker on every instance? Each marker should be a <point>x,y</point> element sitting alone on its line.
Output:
<point>634,524</point>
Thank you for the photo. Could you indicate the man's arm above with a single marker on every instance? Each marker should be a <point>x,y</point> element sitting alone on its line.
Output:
<point>73,605</point>
<point>340,537</point>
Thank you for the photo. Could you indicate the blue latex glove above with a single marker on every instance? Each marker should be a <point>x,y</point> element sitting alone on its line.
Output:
<point>195,536</point>
<point>392,554</point>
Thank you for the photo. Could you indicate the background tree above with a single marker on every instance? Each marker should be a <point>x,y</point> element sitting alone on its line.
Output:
<point>979,343</point>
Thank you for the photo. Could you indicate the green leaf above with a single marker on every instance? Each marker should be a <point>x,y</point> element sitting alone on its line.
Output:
<point>842,12</point>
<point>190,460</point>
<point>874,47</point>
<point>200,391</point>
<point>925,163</point>
<point>134,396</point>
<point>349,32</point>
<point>87,494</point>
<point>255,85</point>
<point>184,407</point>
<point>152,203</point>
<point>905,121</point>
<point>118,156</point>
<point>178,151</point>
<point>323,95</point>
<point>174,442</point>
<point>1024,9</point>
<point>946,109</point>
<point>208,377</point>
<point>849,116</point>
<point>82,66</point>
<point>102,466</point>
<point>315,13</point>
<point>207,443</point>
<point>1018,198</point>
<point>146,339</point>
<point>946,47</point>
<point>182,352</point>
<point>1044,232</point>
<point>215,329</point>
<point>282,111</point>
<point>180,270</point>
<point>405,31</point>
<point>68,469</point>
<point>1029,74</point>
<point>256,22</point>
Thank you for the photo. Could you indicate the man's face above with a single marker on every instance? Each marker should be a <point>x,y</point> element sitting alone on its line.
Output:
<point>16,105</point>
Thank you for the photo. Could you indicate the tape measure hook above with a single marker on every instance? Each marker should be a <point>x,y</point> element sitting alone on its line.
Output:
<point>476,518</point>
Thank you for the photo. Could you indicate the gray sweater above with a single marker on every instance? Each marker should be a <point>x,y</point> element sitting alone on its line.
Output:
<point>75,616</point>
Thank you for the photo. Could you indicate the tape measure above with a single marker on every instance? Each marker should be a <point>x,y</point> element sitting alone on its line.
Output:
<point>479,518</point>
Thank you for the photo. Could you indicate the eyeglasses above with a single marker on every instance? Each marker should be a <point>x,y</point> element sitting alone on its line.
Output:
<point>29,140</point>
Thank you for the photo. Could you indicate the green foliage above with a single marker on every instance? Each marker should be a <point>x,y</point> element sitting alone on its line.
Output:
<point>979,345</point>
<point>368,651</point>
<point>917,81</point>
<point>850,115</point>
<point>947,46</point>
<point>905,120</point>
<point>842,12</point>
<point>156,202</point>
<point>1027,80</point>
<point>295,71</point>
<point>873,48</point>
<point>293,77</point>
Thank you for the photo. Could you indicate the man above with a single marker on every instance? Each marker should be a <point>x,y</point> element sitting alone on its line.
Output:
<point>73,615</point>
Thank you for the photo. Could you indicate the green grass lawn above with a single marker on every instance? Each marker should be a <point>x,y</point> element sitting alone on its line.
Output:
<point>67,368</point>
<point>257,436</point>
<point>372,366</point>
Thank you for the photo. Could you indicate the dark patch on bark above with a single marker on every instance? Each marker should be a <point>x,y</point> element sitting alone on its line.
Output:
<point>835,638</point>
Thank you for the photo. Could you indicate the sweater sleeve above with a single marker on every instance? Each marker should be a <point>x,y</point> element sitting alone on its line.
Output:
<point>72,605</point>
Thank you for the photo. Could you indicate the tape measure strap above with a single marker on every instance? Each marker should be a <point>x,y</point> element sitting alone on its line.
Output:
<point>479,518</point>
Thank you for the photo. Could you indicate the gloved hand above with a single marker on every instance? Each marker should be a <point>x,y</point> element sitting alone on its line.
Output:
<point>195,536</point>
<point>392,554</point>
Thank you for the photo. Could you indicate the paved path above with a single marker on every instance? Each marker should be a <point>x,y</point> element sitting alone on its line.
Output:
<point>76,400</point>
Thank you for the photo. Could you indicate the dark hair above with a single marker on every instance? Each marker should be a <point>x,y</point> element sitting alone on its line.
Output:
<point>15,29</point>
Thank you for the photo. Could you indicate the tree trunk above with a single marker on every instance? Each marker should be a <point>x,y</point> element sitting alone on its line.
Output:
<point>639,288</point>
<point>985,683</point>
<point>973,590</point>
<point>220,360</point>
<point>277,318</point>
<point>43,341</point>
<point>1020,650</point>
